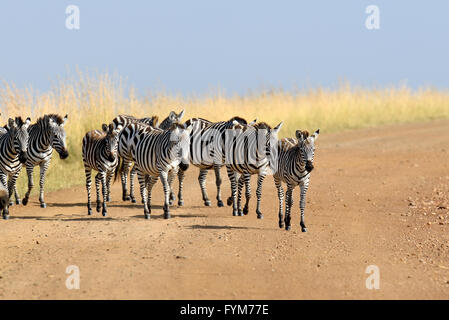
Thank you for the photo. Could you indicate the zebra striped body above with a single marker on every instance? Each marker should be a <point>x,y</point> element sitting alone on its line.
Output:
<point>155,154</point>
<point>13,153</point>
<point>206,145</point>
<point>247,154</point>
<point>45,135</point>
<point>100,154</point>
<point>295,162</point>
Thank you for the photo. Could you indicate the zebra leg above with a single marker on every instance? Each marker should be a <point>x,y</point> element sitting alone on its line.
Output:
<point>142,182</point>
<point>233,198</point>
<point>278,184</point>
<point>302,204</point>
<point>88,172</point>
<point>260,179</point>
<point>16,194</point>
<point>5,212</point>
<point>151,181</point>
<point>288,207</point>
<point>131,183</point>
<point>241,182</point>
<point>247,193</point>
<point>218,184</point>
<point>104,185</point>
<point>30,184</point>
<point>124,177</point>
<point>202,181</point>
<point>42,171</point>
<point>12,187</point>
<point>171,177</point>
<point>97,189</point>
<point>181,176</point>
<point>166,186</point>
<point>109,177</point>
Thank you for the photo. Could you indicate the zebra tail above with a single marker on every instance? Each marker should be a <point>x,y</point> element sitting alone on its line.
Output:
<point>118,168</point>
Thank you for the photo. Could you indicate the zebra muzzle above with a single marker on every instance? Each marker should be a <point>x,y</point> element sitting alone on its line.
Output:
<point>309,166</point>
<point>23,156</point>
<point>63,154</point>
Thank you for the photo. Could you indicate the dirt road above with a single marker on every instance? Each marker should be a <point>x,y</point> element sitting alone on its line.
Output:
<point>377,197</point>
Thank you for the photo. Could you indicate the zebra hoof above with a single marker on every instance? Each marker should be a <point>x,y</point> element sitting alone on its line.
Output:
<point>89,212</point>
<point>104,213</point>
<point>240,213</point>
<point>229,201</point>
<point>220,203</point>
<point>126,198</point>
<point>166,215</point>
<point>147,216</point>
<point>43,205</point>
<point>172,197</point>
<point>170,202</point>
<point>235,213</point>
<point>207,203</point>
<point>18,201</point>
<point>245,210</point>
<point>6,216</point>
<point>98,206</point>
<point>25,201</point>
<point>180,203</point>
<point>133,200</point>
<point>11,203</point>
<point>288,228</point>
<point>108,199</point>
<point>259,216</point>
<point>303,229</point>
<point>281,225</point>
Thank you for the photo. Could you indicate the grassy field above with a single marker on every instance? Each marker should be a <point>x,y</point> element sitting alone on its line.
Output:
<point>92,100</point>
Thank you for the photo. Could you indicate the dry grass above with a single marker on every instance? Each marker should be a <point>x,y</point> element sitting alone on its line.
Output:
<point>91,101</point>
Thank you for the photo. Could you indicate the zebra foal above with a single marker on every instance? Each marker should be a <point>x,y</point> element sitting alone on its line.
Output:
<point>100,154</point>
<point>294,165</point>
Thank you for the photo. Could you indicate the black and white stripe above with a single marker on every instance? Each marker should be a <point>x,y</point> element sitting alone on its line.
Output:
<point>13,153</point>
<point>45,135</point>
<point>295,162</point>
<point>155,154</point>
<point>249,153</point>
<point>100,154</point>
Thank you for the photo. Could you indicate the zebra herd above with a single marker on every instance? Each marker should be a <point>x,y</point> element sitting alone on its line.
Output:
<point>130,146</point>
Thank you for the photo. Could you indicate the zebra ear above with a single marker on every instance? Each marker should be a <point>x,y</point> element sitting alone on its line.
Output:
<point>180,115</point>
<point>278,127</point>
<point>172,116</point>
<point>27,122</point>
<point>11,123</point>
<point>253,122</point>
<point>64,121</point>
<point>316,134</point>
<point>298,135</point>
<point>104,127</point>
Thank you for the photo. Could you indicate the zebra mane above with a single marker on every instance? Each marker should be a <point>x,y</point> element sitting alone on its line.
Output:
<point>239,120</point>
<point>262,125</point>
<point>56,117</point>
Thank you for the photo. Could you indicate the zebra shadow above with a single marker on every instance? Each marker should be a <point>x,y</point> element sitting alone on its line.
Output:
<point>215,227</point>
<point>86,218</point>
<point>161,216</point>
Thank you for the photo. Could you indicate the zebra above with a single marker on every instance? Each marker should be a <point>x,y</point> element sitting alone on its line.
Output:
<point>124,121</point>
<point>155,154</point>
<point>206,138</point>
<point>294,165</point>
<point>171,119</point>
<point>248,153</point>
<point>13,154</point>
<point>47,133</point>
<point>100,154</point>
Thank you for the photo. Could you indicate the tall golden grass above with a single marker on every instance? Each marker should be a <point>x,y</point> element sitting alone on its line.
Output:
<point>92,100</point>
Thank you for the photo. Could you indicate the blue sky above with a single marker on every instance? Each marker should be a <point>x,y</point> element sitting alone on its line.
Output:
<point>196,46</point>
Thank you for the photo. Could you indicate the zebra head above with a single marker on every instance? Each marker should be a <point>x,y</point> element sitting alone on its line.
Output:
<point>172,118</point>
<point>111,140</point>
<point>19,131</point>
<point>306,145</point>
<point>58,134</point>
<point>180,143</point>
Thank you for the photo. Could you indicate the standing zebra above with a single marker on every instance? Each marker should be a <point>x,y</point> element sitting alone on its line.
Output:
<point>295,162</point>
<point>123,121</point>
<point>155,154</point>
<point>206,145</point>
<point>100,154</point>
<point>47,133</point>
<point>248,153</point>
<point>13,153</point>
